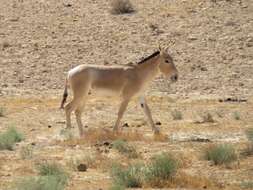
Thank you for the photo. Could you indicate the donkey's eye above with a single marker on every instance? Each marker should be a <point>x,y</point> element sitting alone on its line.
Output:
<point>166,61</point>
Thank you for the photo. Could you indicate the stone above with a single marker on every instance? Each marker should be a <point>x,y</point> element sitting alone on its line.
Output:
<point>82,167</point>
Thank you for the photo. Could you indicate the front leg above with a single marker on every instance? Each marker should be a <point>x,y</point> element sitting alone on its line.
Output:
<point>148,115</point>
<point>121,112</point>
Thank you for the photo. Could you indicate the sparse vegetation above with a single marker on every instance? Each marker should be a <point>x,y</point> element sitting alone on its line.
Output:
<point>176,115</point>
<point>249,134</point>
<point>52,177</point>
<point>207,117</point>
<point>247,185</point>
<point>124,148</point>
<point>220,113</point>
<point>129,177</point>
<point>121,7</point>
<point>9,138</point>
<point>162,168</point>
<point>221,154</point>
<point>236,115</point>
<point>2,111</point>
<point>26,152</point>
<point>117,187</point>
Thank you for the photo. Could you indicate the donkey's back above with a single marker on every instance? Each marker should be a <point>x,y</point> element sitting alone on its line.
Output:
<point>106,80</point>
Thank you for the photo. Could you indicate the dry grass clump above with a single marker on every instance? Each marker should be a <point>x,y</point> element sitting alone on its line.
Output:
<point>91,160</point>
<point>207,117</point>
<point>121,7</point>
<point>52,177</point>
<point>176,115</point>
<point>102,135</point>
<point>249,134</point>
<point>188,181</point>
<point>9,138</point>
<point>221,154</point>
<point>26,152</point>
<point>2,111</point>
<point>160,137</point>
<point>124,148</point>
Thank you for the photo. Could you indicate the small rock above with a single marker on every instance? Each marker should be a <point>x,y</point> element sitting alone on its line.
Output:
<point>82,167</point>
<point>203,69</point>
<point>106,143</point>
<point>15,19</point>
<point>125,125</point>
<point>21,80</point>
<point>68,5</point>
<point>158,123</point>
<point>192,38</point>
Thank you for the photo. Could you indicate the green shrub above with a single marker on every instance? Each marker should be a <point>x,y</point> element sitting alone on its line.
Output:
<point>117,187</point>
<point>236,115</point>
<point>247,185</point>
<point>121,7</point>
<point>9,138</point>
<point>124,148</point>
<point>176,115</point>
<point>221,154</point>
<point>162,168</point>
<point>40,183</point>
<point>52,177</point>
<point>129,177</point>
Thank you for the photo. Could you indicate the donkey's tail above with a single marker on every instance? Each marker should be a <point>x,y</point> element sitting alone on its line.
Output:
<point>65,94</point>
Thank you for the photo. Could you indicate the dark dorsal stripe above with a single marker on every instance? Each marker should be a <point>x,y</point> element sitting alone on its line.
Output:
<point>149,57</point>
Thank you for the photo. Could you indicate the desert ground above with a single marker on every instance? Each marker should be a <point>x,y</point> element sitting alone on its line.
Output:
<point>211,42</point>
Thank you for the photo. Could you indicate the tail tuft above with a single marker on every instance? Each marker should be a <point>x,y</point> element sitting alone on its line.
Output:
<point>65,95</point>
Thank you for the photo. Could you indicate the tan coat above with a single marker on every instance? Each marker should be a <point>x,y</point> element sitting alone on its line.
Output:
<point>121,81</point>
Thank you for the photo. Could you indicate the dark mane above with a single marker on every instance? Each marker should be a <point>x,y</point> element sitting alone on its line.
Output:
<point>149,57</point>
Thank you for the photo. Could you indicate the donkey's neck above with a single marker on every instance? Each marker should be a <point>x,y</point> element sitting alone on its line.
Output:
<point>149,69</point>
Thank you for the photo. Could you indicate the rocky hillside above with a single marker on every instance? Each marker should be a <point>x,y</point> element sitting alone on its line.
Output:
<point>210,40</point>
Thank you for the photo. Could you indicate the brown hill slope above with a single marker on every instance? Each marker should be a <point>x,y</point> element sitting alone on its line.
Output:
<point>42,39</point>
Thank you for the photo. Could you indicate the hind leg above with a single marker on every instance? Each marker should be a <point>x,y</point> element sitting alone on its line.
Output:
<point>78,113</point>
<point>71,106</point>
<point>76,103</point>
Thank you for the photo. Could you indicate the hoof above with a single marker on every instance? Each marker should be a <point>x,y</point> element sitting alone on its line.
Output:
<point>156,131</point>
<point>82,135</point>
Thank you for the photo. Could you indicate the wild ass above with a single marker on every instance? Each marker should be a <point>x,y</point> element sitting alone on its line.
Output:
<point>122,81</point>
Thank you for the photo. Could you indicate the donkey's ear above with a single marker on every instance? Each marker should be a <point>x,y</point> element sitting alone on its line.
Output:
<point>160,48</point>
<point>167,49</point>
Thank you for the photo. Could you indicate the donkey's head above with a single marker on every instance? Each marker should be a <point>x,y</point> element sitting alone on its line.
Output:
<point>166,65</point>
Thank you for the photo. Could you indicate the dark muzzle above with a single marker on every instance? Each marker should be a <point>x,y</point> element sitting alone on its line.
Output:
<point>174,77</point>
